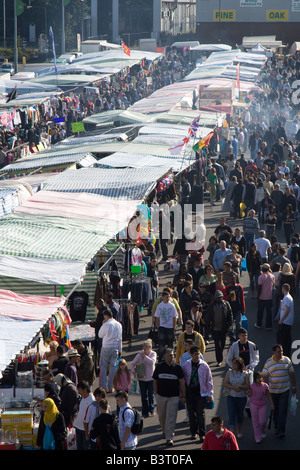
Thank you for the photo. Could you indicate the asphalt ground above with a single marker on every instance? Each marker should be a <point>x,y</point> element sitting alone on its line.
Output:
<point>150,439</point>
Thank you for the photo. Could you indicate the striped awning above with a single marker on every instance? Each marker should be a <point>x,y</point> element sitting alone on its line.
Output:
<point>52,237</point>
<point>50,161</point>
<point>123,160</point>
<point>129,183</point>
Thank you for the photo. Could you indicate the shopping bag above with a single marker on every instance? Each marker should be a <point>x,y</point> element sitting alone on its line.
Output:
<point>70,442</point>
<point>140,370</point>
<point>134,386</point>
<point>293,405</point>
<point>48,440</point>
<point>244,265</point>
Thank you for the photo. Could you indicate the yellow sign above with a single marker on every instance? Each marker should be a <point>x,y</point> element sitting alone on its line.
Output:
<point>277,15</point>
<point>224,15</point>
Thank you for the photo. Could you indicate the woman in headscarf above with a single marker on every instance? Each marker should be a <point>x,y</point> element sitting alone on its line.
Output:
<point>52,417</point>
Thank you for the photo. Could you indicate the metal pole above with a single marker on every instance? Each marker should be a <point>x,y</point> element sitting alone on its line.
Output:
<point>4,23</point>
<point>63,27</point>
<point>15,37</point>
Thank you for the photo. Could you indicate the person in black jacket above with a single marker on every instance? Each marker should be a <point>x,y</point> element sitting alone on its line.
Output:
<point>186,298</point>
<point>253,263</point>
<point>105,429</point>
<point>220,319</point>
<point>52,417</point>
<point>69,397</point>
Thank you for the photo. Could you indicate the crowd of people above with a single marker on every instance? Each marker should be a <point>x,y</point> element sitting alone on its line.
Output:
<point>119,92</point>
<point>254,173</point>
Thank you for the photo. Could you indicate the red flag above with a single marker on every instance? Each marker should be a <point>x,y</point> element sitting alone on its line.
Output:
<point>126,48</point>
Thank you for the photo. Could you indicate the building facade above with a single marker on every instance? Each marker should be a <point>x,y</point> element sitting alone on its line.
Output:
<point>228,21</point>
<point>132,20</point>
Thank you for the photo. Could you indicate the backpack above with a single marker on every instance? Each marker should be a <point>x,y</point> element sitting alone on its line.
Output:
<point>138,423</point>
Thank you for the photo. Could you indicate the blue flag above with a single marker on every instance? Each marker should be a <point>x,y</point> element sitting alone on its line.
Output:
<point>53,47</point>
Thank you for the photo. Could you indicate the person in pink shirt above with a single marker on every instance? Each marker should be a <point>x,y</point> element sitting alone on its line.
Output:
<point>259,393</point>
<point>147,357</point>
<point>122,377</point>
<point>266,282</point>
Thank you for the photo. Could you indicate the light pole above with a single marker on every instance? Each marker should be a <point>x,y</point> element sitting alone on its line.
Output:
<point>63,44</point>
<point>4,23</point>
<point>15,37</point>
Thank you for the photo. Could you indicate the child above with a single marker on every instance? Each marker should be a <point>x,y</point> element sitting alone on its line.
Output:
<point>258,393</point>
<point>187,355</point>
<point>122,378</point>
<point>92,413</point>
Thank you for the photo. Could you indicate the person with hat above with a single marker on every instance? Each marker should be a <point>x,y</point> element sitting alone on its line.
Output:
<point>219,314</point>
<point>86,368</point>
<point>266,282</point>
<point>69,397</point>
<point>71,369</point>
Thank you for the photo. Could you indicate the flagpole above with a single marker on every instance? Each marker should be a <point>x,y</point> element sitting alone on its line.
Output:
<point>15,37</point>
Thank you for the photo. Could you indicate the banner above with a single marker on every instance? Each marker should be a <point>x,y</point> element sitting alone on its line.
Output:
<point>53,47</point>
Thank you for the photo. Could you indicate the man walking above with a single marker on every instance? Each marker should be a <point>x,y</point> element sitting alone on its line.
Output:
<point>165,317</point>
<point>129,440</point>
<point>169,387</point>
<point>279,372</point>
<point>219,316</point>
<point>250,227</point>
<point>199,390</point>
<point>111,334</point>
<point>234,293</point>
<point>286,320</point>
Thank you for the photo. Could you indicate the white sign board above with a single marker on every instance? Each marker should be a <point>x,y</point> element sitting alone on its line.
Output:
<point>251,3</point>
<point>296,5</point>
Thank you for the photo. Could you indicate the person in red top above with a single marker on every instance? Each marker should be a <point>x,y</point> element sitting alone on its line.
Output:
<point>219,438</point>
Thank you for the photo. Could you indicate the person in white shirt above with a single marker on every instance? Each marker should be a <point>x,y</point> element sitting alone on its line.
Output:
<point>165,318</point>
<point>263,245</point>
<point>82,439</point>
<point>286,320</point>
<point>111,334</point>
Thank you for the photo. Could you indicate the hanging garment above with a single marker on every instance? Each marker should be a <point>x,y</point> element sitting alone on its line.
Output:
<point>77,304</point>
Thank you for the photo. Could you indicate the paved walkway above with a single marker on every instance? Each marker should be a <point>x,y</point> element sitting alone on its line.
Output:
<point>151,436</point>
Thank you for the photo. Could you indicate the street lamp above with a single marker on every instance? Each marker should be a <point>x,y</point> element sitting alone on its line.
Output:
<point>15,37</point>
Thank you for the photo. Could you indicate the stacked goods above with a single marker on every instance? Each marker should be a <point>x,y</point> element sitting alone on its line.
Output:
<point>19,422</point>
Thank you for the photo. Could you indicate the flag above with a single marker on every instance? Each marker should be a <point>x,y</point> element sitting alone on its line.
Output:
<point>179,146</point>
<point>53,47</point>
<point>126,48</point>
<point>203,142</point>
<point>193,127</point>
<point>12,95</point>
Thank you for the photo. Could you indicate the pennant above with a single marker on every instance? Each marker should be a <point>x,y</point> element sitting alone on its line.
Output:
<point>126,48</point>
<point>12,95</point>
<point>203,142</point>
<point>179,146</point>
<point>53,47</point>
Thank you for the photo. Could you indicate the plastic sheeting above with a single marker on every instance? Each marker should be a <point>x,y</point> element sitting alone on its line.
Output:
<point>21,318</point>
<point>44,271</point>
